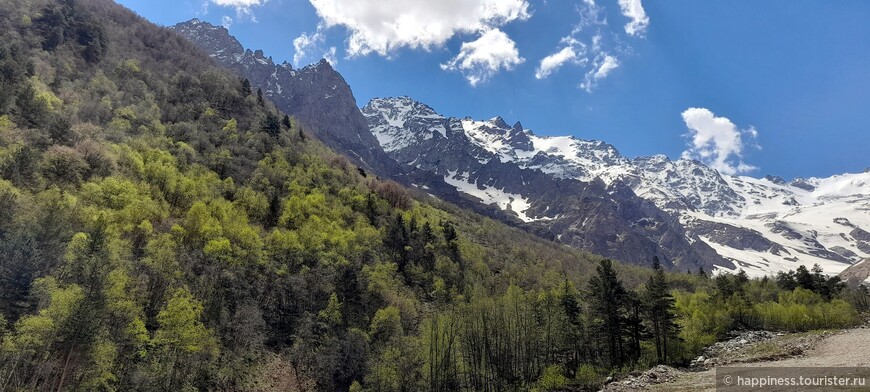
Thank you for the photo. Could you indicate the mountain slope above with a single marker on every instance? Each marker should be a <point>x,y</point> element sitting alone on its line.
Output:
<point>160,229</point>
<point>598,222</point>
<point>760,225</point>
<point>548,183</point>
<point>316,95</point>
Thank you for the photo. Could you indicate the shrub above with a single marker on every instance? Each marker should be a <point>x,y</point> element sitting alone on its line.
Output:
<point>553,378</point>
<point>393,193</point>
<point>64,165</point>
<point>587,377</point>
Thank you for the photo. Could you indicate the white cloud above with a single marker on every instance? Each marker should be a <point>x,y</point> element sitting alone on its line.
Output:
<point>238,3</point>
<point>243,7</point>
<point>552,62</point>
<point>593,45</point>
<point>383,26</point>
<point>305,43</point>
<point>480,59</point>
<point>573,50</point>
<point>608,64</point>
<point>329,56</point>
<point>717,142</point>
<point>633,9</point>
<point>226,21</point>
<point>591,14</point>
<point>602,66</point>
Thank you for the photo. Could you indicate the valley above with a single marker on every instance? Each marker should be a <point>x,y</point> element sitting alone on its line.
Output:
<point>181,213</point>
<point>582,193</point>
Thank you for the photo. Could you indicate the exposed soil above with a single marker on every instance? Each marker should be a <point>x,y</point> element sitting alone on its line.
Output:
<point>848,348</point>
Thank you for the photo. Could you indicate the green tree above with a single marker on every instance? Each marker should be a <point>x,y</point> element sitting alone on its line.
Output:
<point>659,305</point>
<point>182,340</point>
<point>331,314</point>
<point>271,125</point>
<point>606,300</point>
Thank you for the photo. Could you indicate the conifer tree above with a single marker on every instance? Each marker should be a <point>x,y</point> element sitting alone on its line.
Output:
<point>397,241</point>
<point>246,87</point>
<point>606,299</point>
<point>660,311</point>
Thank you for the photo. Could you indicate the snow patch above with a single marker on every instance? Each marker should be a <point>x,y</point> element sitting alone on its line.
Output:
<point>504,200</point>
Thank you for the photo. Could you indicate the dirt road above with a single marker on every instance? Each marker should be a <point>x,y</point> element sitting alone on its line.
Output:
<point>850,348</point>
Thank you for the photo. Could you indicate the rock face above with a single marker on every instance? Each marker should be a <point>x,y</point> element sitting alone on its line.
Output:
<point>856,274</point>
<point>316,95</point>
<point>588,195</point>
<point>583,193</point>
<point>456,162</point>
<point>552,186</point>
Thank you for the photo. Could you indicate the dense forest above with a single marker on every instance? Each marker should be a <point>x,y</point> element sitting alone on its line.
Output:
<point>163,227</point>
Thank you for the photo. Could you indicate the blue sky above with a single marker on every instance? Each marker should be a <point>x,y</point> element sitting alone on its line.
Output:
<point>756,87</point>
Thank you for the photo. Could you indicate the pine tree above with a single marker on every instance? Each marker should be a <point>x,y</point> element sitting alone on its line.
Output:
<point>634,328</point>
<point>246,87</point>
<point>397,241</point>
<point>575,341</point>
<point>660,311</point>
<point>606,299</point>
<point>271,125</point>
<point>451,239</point>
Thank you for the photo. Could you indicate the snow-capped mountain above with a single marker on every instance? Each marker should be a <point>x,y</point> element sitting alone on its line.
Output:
<point>580,192</point>
<point>760,225</point>
<point>554,184</point>
<point>813,221</point>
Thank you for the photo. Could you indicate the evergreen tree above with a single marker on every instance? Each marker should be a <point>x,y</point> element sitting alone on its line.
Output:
<point>451,238</point>
<point>634,328</point>
<point>422,247</point>
<point>271,125</point>
<point>397,241</point>
<point>804,278</point>
<point>575,341</point>
<point>606,302</point>
<point>660,310</point>
<point>246,87</point>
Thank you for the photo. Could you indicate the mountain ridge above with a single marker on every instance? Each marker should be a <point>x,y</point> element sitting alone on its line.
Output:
<point>583,193</point>
<point>611,227</point>
<point>762,225</point>
<point>316,95</point>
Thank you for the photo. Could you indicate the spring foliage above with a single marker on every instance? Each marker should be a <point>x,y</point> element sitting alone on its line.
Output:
<point>163,227</point>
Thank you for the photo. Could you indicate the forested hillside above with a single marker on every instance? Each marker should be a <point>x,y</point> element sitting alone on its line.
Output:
<point>163,227</point>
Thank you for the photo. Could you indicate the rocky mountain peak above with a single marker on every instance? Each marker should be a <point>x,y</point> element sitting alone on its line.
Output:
<point>775,179</point>
<point>802,183</point>
<point>499,123</point>
<point>214,40</point>
<point>317,95</point>
<point>581,192</point>
<point>760,224</point>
